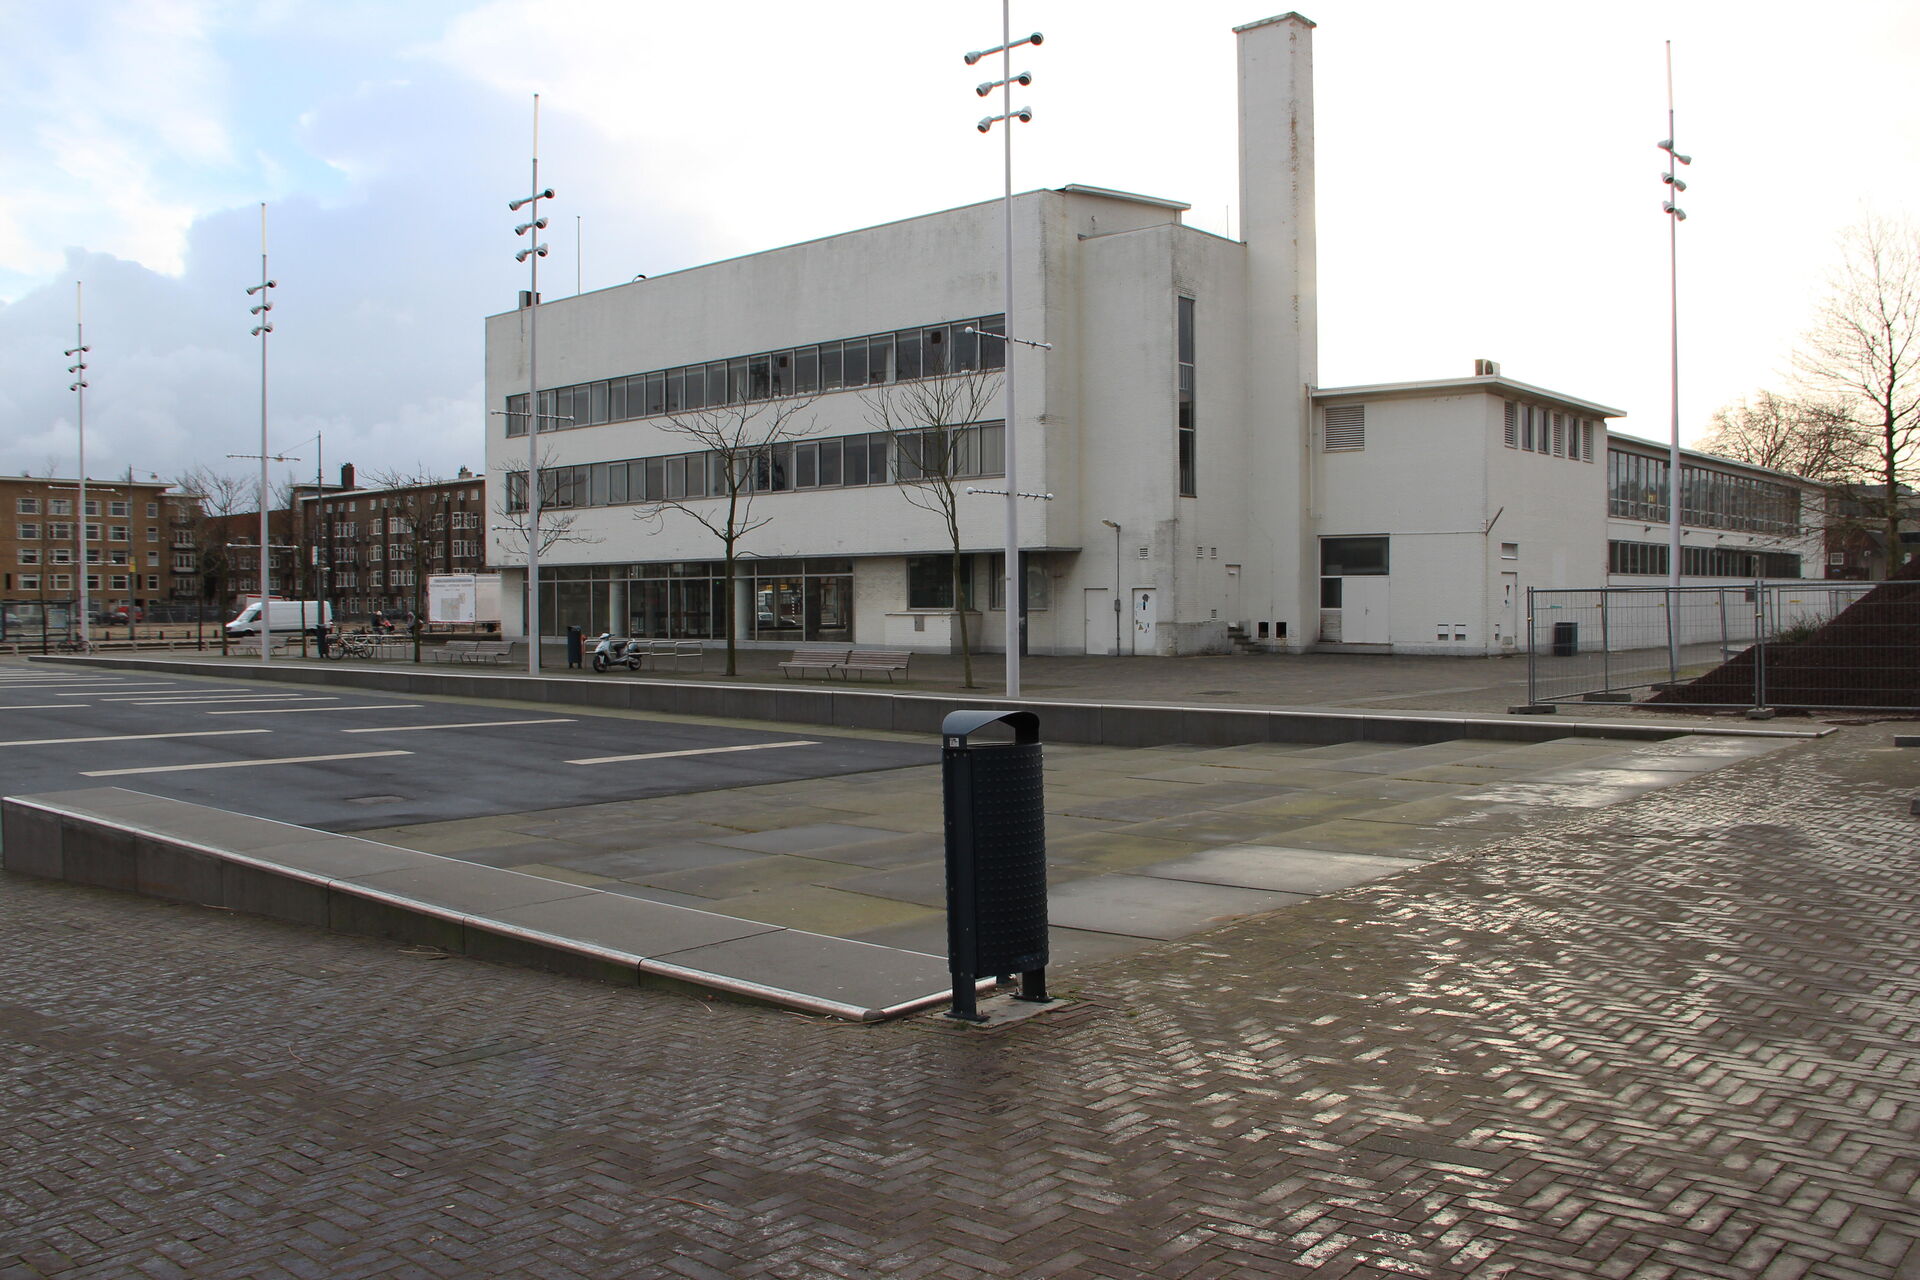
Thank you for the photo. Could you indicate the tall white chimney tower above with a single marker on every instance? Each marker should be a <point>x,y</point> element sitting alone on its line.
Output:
<point>1283,350</point>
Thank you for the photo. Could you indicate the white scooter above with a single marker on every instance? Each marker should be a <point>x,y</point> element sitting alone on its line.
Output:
<point>609,652</point>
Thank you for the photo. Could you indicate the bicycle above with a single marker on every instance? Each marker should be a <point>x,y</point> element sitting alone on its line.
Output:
<point>358,645</point>
<point>74,644</point>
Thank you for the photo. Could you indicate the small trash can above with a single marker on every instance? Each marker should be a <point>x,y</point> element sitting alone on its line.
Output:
<point>996,826</point>
<point>1566,639</point>
<point>575,646</point>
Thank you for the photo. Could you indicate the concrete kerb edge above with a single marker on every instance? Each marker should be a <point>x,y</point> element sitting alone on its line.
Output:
<point>639,963</point>
<point>910,711</point>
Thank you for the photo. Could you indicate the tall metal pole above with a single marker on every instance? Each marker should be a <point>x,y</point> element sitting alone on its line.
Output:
<point>1011,595</point>
<point>266,539</point>
<point>532,255</point>
<point>79,389</point>
<point>1675,491</point>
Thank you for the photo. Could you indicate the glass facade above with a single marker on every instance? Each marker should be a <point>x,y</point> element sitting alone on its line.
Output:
<point>1710,499</point>
<point>779,600</point>
<point>925,351</point>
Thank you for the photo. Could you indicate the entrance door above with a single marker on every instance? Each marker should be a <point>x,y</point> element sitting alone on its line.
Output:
<point>1146,617</point>
<point>1363,610</point>
<point>1509,610</point>
<point>1101,624</point>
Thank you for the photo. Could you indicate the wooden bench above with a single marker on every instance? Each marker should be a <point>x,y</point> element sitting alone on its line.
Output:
<point>454,651</point>
<point>865,660</point>
<point>490,651</point>
<point>816,657</point>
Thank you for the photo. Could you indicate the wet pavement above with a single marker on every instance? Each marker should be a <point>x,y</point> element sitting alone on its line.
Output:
<point>1643,1013</point>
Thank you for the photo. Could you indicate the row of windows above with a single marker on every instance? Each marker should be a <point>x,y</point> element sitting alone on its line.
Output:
<point>1186,444</point>
<point>1637,490</point>
<point>64,507</point>
<point>64,581</point>
<point>838,462</point>
<point>928,351</point>
<point>1650,559</point>
<point>1533,429</point>
<point>337,506</point>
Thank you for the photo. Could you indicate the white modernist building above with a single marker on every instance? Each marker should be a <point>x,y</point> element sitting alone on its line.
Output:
<point>1202,488</point>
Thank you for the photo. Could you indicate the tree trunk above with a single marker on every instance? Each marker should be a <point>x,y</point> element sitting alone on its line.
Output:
<point>1894,555</point>
<point>726,608</point>
<point>960,615</point>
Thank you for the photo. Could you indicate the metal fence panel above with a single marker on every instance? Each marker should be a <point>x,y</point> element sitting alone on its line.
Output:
<point>1620,644</point>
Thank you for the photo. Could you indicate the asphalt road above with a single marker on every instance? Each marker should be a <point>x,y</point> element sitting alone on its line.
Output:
<point>346,761</point>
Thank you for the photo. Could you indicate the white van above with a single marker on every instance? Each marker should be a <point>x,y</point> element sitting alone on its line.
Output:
<point>283,616</point>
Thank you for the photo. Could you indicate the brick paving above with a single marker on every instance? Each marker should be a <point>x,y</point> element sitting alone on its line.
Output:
<point>1671,1038</point>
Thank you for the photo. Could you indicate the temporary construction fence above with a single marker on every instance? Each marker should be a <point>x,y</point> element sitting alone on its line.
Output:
<point>1622,644</point>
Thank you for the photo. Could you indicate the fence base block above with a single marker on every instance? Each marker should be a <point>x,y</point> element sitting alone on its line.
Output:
<point>1906,740</point>
<point>1606,697</point>
<point>1913,806</point>
<point>1760,713</point>
<point>1533,709</point>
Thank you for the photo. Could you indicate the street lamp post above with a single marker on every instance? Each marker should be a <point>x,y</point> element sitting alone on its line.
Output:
<point>79,388</point>
<point>261,331</point>
<point>531,255</point>
<point>1675,216</point>
<point>1013,593</point>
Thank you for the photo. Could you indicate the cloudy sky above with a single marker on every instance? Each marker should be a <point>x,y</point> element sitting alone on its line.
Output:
<point>1488,184</point>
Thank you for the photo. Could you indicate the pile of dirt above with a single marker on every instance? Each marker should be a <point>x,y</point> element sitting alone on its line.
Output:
<point>1867,656</point>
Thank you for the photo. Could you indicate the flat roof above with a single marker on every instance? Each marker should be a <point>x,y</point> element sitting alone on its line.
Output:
<point>1492,385</point>
<point>1661,448</point>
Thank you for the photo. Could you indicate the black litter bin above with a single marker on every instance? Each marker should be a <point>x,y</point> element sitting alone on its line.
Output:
<point>575,646</point>
<point>1566,639</point>
<point>996,825</point>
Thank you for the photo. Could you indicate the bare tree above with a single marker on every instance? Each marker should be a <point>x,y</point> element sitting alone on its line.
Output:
<point>1812,438</point>
<point>934,429</point>
<point>221,498</point>
<point>1864,351</point>
<point>740,450</point>
<point>556,524</point>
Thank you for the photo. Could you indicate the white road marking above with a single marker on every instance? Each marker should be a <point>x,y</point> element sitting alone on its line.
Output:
<point>698,751</point>
<point>481,724</point>
<point>131,737</point>
<point>287,711</point>
<point>39,706</point>
<point>238,764</point>
<point>147,690</point>
<point>252,697</point>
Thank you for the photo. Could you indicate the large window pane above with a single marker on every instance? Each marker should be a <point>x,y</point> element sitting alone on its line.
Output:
<point>993,351</point>
<point>717,382</point>
<point>933,352</point>
<point>830,378</point>
<point>656,393</point>
<point>676,390</point>
<point>906,354</point>
<point>597,402</point>
<point>695,382</point>
<point>856,460</point>
<point>759,377</point>
<point>966,347</point>
<point>783,373</point>
<point>879,358</point>
<point>854,351</point>
<point>1350,557</point>
<point>930,582</point>
<point>806,370</point>
<point>617,400</point>
<point>736,380</point>
<point>830,472</point>
<point>806,466</point>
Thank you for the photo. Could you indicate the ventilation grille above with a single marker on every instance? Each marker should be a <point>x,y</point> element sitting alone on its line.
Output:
<point>1346,427</point>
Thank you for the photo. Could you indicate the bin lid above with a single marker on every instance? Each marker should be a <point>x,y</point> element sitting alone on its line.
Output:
<point>959,724</point>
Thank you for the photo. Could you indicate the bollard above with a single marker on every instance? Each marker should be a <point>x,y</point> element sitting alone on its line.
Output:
<point>996,856</point>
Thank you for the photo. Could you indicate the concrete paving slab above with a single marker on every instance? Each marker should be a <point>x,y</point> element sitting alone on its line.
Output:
<point>924,884</point>
<point>1307,806</point>
<point>1113,851</point>
<point>338,857</point>
<point>802,839</point>
<point>565,875</point>
<point>855,974</point>
<point>1256,866</point>
<point>666,896</point>
<point>652,859</point>
<point>466,887</point>
<point>831,910</point>
<point>1145,907</point>
<point>1475,813</point>
<point>1357,835</point>
<point>1206,827</point>
<point>769,873</point>
<point>622,923</point>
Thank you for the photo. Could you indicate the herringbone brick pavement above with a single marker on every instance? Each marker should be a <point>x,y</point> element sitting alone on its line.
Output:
<point>1675,1038</point>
